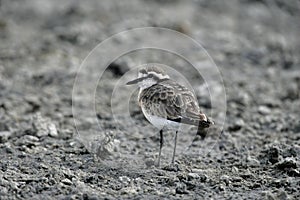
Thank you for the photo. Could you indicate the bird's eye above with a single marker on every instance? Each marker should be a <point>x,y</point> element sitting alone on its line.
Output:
<point>150,76</point>
<point>143,71</point>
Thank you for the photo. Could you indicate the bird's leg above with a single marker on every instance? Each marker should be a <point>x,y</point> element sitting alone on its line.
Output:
<point>174,151</point>
<point>161,145</point>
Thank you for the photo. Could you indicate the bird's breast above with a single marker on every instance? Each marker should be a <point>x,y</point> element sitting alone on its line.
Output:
<point>160,122</point>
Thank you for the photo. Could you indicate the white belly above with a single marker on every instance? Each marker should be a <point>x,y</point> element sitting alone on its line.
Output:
<point>161,123</point>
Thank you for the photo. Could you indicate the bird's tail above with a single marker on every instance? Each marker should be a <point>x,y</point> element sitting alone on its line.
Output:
<point>202,127</point>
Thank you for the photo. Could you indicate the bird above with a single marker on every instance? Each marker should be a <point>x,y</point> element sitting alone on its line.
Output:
<point>167,104</point>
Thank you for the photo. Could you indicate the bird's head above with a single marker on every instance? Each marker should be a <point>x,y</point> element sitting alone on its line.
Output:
<point>149,76</point>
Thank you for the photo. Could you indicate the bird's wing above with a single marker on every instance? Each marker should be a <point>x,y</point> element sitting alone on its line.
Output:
<point>175,102</point>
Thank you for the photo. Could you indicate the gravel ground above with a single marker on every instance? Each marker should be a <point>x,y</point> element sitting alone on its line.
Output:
<point>255,45</point>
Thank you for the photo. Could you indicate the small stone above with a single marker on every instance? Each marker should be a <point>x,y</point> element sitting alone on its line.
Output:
<point>268,195</point>
<point>52,130</point>
<point>28,139</point>
<point>225,179</point>
<point>287,163</point>
<point>237,125</point>
<point>264,110</point>
<point>150,162</point>
<point>124,179</point>
<point>296,127</point>
<point>181,189</point>
<point>222,187</point>
<point>282,195</point>
<point>104,145</point>
<point>193,176</point>
<point>235,169</point>
<point>8,149</point>
<point>66,181</point>
<point>43,126</point>
<point>4,135</point>
<point>129,190</point>
<point>90,197</point>
<point>294,172</point>
<point>201,173</point>
<point>242,98</point>
<point>292,92</point>
<point>271,155</point>
<point>172,168</point>
<point>252,161</point>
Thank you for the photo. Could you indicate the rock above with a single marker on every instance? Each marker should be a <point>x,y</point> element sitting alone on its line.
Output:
<point>52,130</point>
<point>237,125</point>
<point>125,180</point>
<point>132,190</point>
<point>242,98</point>
<point>66,181</point>
<point>234,169</point>
<point>296,127</point>
<point>43,126</point>
<point>264,110</point>
<point>89,197</point>
<point>28,139</point>
<point>225,179</point>
<point>271,155</point>
<point>149,162</point>
<point>174,168</point>
<point>282,195</point>
<point>292,92</point>
<point>268,195</point>
<point>293,172</point>
<point>287,163</point>
<point>192,176</point>
<point>252,161</point>
<point>181,189</point>
<point>8,148</point>
<point>105,145</point>
<point>291,152</point>
<point>201,173</point>
<point>4,136</point>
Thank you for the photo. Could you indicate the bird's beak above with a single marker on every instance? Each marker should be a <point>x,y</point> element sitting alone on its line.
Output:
<point>134,81</point>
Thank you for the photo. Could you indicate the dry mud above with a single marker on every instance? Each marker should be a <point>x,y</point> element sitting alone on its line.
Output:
<point>255,45</point>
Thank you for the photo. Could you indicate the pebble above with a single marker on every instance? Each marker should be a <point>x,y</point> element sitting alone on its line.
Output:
<point>287,163</point>
<point>66,181</point>
<point>124,179</point>
<point>130,190</point>
<point>225,179</point>
<point>264,110</point>
<point>29,139</point>
<point>52,130</point>
<point>282,195</point>
<point>43,126</point>
<point>4,135</point>
<point>237,125</point>
<point>235,169</point>
<point>181,189</point>
<point>193,176</point>
<point>150,162</point>
<point>252,161</point>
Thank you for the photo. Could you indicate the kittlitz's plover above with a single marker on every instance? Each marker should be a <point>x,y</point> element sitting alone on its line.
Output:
<point>166,104</point>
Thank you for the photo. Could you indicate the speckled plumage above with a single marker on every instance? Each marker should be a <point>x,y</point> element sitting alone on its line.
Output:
<point>174,102</point>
